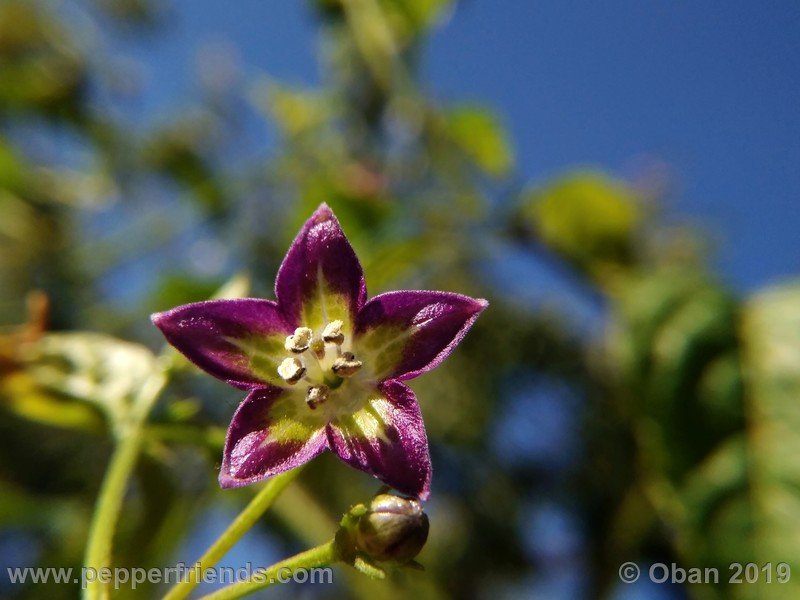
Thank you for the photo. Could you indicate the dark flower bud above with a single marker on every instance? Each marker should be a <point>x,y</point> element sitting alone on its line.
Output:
<point>394,529</point>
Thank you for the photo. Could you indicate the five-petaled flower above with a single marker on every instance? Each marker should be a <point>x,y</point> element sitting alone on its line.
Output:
<point>324,367</point>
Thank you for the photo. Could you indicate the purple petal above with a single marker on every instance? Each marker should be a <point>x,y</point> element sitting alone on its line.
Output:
<point>269,435</point>
<point>403,334</point>
<point>386,439</point>
<point>320,278</point>
<point>239,341</point>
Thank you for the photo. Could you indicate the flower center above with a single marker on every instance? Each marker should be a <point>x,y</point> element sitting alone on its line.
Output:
<point>319,361</point>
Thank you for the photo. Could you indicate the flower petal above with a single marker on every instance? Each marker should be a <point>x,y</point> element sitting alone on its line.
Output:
<point>320,279</point>
<point>403,334</point>
<point>386,439</point>
<point>270,433</point>
<point>239,341</point>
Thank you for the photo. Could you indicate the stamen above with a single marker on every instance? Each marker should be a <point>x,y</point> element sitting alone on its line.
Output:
<point>299,341</point>
<point>333,332</point>
<point>291,370</point>
<point>346,365</point>
<point>316,395</point>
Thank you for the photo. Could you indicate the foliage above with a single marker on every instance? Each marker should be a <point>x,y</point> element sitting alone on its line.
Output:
<point>684,396</point>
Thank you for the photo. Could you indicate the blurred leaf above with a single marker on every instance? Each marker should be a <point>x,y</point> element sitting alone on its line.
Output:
<point>675,352</point>
<point>137,12</point>
<point>237,286</point>
<point>423,12</point>
<point>412,18</point>
<point>180,288</point>
<point>92,368</point>
<point>393,261</point>
<point>294,111</point>
<point>372,34</point>
<point>21,394</point>
<point>182,150</point>
<point>479,134</point>
<point>587,219</point>
<point>771,336</point>
<point>714,519</point>
<point>40,65</point>
<point>741,503</point>
<point>13,175</point>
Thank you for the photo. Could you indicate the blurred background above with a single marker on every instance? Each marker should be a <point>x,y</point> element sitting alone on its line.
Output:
<point>619,179</point>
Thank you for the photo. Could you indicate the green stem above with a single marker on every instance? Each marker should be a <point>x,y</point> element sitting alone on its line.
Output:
<point>109,504</point>
<point>241,525</point>
<point>281,572</point>
<point>112,492</point>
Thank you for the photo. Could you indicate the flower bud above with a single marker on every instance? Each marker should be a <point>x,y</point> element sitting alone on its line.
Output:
<point>394,529</point>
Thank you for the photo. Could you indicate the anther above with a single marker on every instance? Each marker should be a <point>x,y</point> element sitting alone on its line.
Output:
<point>316,395</point>
<point>346,365</point>
<point>299,341</point>
<point>291,370</point>
<point>333,332</point>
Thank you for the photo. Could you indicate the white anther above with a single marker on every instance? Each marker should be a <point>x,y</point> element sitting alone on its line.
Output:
<point>299,341</point>
<point>291,370</point>
<point>333,332</point>
<point>346,365</point>
<point>316,395</point>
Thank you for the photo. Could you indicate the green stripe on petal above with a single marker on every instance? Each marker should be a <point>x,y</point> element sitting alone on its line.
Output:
<point>291,419</point>
<point>230,339</point>
<point>381,348</point>
<point>407,333</point>
<point>324,305</point>
<point>320,278</point>
<point>369,423</point>
<point>386,439</point>
<point>269,435</point>
<point>263,353</point>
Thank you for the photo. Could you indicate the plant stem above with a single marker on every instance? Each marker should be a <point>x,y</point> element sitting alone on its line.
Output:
<point>115,482</point>
<point>109,504</point>
<point>241,525</point>
<point>281,572</point>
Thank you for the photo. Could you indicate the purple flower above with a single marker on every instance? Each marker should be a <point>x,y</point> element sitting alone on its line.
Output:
<point>323,366</point>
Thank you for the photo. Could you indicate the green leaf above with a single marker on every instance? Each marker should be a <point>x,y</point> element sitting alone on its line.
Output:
<point>295,111</point>
<point>479,134</point>
<point>588,218</point>
<point>411,18</point>
<point>771,336</point>
<point>427,12</point>
<point>237,286</point>
<point>13,172</point>
<point>92,368</point>
<point>742,502</point>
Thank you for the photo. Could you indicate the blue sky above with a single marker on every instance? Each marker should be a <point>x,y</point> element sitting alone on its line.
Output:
<point>712,89</point>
